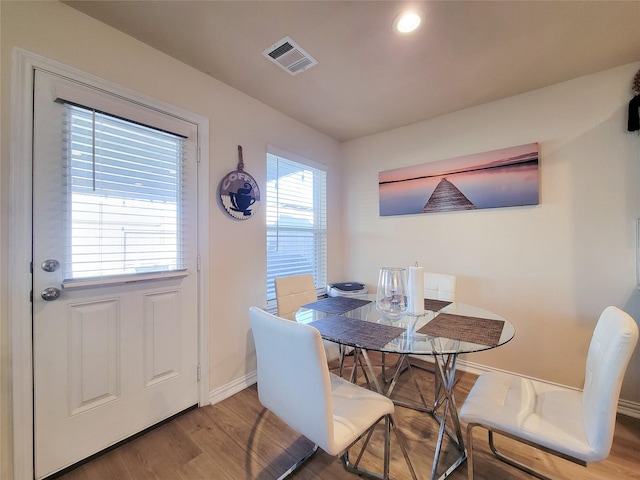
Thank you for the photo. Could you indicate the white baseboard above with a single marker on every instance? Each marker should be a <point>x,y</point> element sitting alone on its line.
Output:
<point>629,408</point>
<point>220,394</point>
<point>625,407</point>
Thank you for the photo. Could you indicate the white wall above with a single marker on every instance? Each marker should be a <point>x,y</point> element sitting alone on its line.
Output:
<point>550,269</point>
<point>238,251</point>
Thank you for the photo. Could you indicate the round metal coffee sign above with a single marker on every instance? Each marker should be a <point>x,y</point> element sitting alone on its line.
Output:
<point>239,192</point>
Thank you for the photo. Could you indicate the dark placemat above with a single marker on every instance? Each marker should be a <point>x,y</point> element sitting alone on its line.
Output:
<point>367,335</point>
<point>484,331</point>
<point>435,305</point>
<point>337,305</point>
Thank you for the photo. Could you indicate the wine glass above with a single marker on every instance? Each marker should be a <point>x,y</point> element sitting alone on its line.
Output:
<point>391,295</point>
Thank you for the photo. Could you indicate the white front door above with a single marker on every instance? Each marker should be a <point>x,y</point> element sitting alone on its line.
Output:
<point>115,286</point>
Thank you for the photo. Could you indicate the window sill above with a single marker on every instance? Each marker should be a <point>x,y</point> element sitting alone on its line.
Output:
<point>122,280</point>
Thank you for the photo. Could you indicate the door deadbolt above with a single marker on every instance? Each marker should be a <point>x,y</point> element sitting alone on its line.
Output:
<point>50,265</point>
<point>50,293</point>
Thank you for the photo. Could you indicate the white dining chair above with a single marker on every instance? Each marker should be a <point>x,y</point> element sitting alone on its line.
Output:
<point>439,286</point>
<point>295,384</point>
<point>294,291</point>
<point>575,425</point>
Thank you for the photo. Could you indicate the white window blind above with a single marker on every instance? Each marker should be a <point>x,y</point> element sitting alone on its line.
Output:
<point>296,201</point>
<point>123,196</point>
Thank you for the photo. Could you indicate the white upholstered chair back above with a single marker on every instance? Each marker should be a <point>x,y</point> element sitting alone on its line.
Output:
<point>440,286</point>
<point>610,350</point>
<point>292,292</point>
<point>295,384</point>
<point>293,376</point>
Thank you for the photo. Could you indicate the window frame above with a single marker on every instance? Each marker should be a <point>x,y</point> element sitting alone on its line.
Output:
<point>318,230</point>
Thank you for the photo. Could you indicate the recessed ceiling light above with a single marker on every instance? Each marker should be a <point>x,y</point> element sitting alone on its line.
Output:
<point>407,22</point>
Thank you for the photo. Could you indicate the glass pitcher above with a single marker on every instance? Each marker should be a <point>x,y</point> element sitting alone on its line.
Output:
<point>391,295</point>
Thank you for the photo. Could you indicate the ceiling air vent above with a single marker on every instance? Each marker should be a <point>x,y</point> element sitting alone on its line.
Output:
<point>288,55</point>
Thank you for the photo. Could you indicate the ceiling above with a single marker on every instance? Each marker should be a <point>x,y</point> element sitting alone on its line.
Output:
<point>369,79</point>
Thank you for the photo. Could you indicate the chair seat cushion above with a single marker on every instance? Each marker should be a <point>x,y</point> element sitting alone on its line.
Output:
<point>545,414</point>
<point>353,409</point>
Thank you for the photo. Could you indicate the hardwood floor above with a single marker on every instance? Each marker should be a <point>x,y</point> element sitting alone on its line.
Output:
<point>238,439</point>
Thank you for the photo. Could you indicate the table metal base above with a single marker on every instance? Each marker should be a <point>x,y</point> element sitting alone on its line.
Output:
<point>444,403</point>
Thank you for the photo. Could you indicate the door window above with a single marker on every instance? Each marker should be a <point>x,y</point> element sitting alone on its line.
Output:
<point>123,196</point>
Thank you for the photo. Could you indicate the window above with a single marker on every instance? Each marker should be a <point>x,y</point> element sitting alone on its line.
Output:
<point>122,199</point>
<point>296,201</point>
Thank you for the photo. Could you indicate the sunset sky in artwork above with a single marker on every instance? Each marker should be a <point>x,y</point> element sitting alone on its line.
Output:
<point>450,165</point>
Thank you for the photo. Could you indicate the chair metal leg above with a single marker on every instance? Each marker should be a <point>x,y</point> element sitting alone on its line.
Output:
<point>299,463</point>
<point>508,460</point>
<point>387,446</point>
<point>512,462</point>
<point>389,426</point>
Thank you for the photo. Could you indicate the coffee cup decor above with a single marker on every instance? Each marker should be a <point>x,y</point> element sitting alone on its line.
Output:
<point>239,193</point>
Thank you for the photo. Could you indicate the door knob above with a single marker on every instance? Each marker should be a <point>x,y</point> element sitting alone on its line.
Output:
<point>50,293</point>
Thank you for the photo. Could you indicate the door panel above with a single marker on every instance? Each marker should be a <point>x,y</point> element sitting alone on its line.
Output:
<point>93,354</point>
<point>162,329</point>
<point>112,356</point>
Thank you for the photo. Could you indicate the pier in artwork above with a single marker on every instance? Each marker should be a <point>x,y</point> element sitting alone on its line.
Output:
<point>446,198</point>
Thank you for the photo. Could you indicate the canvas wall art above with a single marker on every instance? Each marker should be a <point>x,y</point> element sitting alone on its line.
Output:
<point>501,178</point>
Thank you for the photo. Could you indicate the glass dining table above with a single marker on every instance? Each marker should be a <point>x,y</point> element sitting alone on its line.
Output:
<point>445,331</point>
